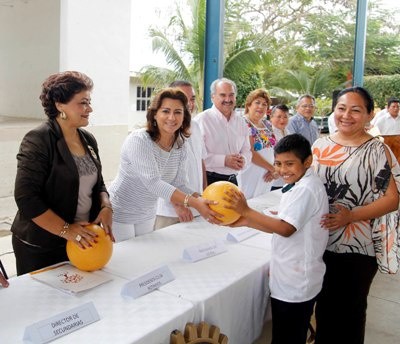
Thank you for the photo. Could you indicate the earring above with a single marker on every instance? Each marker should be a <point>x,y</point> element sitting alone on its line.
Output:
<point>63,116</point>
<point>154,123</point>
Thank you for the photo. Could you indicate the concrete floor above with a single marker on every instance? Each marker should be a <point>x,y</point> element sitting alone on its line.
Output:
<point>383,313</point>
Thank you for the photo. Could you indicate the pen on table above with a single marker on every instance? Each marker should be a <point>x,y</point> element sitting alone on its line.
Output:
<point>3,270</point>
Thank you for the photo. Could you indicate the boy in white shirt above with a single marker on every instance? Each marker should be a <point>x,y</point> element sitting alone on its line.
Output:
<point>298,242</point>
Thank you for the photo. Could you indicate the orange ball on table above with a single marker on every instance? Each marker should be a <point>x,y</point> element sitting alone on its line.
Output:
<point>216,192</point>
<point>91,258</point>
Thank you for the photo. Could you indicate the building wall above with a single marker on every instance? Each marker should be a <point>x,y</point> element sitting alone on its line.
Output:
<point>29,41</point>
<point>95,39</point>
<point>42,37</point>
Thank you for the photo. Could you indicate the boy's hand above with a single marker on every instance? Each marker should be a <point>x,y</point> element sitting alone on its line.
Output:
<point>236,200</point>
<point>240,223</point>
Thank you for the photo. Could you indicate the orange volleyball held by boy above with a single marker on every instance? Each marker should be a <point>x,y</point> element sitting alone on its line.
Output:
<point>216,192</point>
<point>94,257</point>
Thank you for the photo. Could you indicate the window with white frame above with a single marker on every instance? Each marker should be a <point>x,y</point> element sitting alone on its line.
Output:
<point>143,95</point>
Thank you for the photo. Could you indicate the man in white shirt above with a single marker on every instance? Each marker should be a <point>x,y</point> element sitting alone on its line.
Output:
<point>389,123</point>
<point>225,134</point>
<point>168,213</point>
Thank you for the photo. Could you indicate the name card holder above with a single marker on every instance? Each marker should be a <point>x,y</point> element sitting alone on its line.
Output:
<point>240,234</point>
<point>61,324</point>
<point>148,282</point>
<point>203,251</point>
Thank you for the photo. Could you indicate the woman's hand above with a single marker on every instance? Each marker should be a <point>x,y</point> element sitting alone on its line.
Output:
<point>80,235</point>
<point>184,214</point>
<point>3,282</point>
<point>201,205</point>
<point>339,218</point>
<point>269,176</point>
<point>104,220</point>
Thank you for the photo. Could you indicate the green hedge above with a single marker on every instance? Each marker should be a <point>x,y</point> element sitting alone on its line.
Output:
<point>382,87</point>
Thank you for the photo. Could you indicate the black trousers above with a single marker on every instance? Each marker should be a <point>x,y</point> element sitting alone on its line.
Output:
<point>290,321</point>
<point>341,308</point>
<point>30,258</point>
<point>213,177</point>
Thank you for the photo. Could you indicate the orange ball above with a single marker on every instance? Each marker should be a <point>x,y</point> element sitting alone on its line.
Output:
<point>215,192</point>
<point>91,258</point>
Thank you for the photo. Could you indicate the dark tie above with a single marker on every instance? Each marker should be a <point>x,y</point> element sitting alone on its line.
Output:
<point>287,187</point>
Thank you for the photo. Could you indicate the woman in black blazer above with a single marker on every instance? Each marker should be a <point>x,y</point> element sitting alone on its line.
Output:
<point>59,187</point>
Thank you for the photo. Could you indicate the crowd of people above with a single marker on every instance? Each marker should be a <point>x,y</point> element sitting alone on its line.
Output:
<point>336,225</point>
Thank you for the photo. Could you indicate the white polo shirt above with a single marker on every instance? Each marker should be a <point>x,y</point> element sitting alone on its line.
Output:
<point>297,268</point>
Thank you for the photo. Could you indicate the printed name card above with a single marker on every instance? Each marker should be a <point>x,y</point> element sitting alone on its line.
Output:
<point>64,323</point>
<point>148,282</point>
<point>240,234</point>
<point>202,251</point>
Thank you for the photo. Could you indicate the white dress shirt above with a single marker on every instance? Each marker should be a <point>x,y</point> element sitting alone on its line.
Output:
<point>388,125</point>
<point>223,137</point>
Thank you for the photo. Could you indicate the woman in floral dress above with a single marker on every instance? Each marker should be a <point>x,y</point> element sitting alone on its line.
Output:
<point>257,177</point>
<point>361,177</point>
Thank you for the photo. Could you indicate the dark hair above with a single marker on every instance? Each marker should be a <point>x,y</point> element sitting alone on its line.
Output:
<point>295,143</point>
<point>171,93</point>
<point>392,100</point>
<point>180,83</point>
<point>334,99</point>
<point>61,88</point>
<point>281,107</point>
<point>253,95</point>
<point>369,101</point>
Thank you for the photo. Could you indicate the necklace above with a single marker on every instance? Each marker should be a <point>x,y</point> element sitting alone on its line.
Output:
<point>259,126</point>
<point>166,148</point>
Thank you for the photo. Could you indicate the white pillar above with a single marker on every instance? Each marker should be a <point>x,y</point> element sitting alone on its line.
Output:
<point>95,39</point>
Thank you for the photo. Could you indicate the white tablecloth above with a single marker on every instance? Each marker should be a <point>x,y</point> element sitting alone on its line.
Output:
<point>229,290</point>
<point>149,319</point>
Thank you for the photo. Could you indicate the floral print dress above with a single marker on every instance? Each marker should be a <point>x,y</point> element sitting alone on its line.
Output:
<point>251,180</point>
<point>355,176</point>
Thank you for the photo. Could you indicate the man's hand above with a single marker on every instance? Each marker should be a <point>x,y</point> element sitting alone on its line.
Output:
<point>234,161</point>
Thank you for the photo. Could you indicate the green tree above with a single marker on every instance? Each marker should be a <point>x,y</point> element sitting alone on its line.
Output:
<point>182,44</point>
<point>286,46</point>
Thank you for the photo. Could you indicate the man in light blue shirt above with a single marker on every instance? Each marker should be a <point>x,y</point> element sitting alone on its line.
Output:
<point>302,122</point>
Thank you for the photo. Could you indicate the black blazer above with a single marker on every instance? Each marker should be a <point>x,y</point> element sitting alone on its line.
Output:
<point>47,178</point>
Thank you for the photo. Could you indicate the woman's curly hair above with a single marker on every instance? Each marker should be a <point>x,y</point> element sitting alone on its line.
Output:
<point>61,88</point>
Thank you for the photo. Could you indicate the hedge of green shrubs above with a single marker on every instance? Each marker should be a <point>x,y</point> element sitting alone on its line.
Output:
<point>383,87</point>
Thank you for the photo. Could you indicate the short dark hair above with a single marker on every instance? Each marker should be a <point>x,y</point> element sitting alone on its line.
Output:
<point>369,101</point>
<point>171,93</point>
<point>61,88</point>
<point>281,107</point>
<point>180,83</point>
<point>295,143</point>
<point>392,100</point>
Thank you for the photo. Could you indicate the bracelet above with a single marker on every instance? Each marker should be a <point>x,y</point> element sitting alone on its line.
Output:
<point>107,206</point>
<point>64,230</point>
<point>186,200</point>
